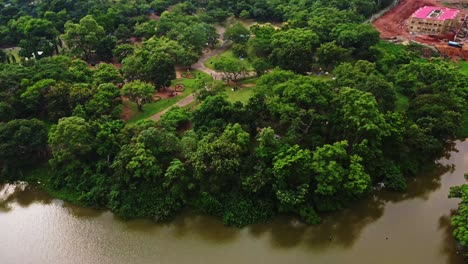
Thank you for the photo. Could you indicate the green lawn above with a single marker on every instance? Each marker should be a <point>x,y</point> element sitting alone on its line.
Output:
<point>242,95</point>
<point>156,107</point>
<point>227,54</point>
<point>390,48</point>
<point>252,80</point>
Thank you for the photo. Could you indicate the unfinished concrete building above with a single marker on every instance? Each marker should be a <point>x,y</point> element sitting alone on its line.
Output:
<point>462,34</point>
<point>433,20</point>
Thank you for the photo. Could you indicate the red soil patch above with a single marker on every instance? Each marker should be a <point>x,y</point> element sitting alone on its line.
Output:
<point>393,23</point>
<point>454,53</point>
<point>165,94</point>
<point>117,65</point>
<point>136,40</point>
<point>153,16</point>
<point>246,85</point>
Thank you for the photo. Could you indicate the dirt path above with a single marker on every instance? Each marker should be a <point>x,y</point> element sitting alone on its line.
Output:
<point>200,65</point>
<point>182,103</point>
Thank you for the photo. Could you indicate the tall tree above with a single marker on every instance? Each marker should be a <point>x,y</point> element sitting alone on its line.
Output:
<point>22,142</point>
<point>83,39</point>
<point>139,92</point>
<point>294,49</point>
<point>238,33</point>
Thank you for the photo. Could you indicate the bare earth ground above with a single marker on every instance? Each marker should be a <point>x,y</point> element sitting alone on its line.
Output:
<point>393,25</point>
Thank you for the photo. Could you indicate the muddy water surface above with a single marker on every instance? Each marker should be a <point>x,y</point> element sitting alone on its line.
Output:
<point>387,228</point>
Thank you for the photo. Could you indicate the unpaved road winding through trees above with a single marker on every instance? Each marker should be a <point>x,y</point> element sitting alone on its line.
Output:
<point>200,65</point>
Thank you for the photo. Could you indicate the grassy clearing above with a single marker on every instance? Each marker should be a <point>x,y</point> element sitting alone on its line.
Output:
<point>391,48</point>
<point>151,108</point>
<point>242,95</point>
<point>156,107</point>
<point>251,81</point>
<point>227,54</point>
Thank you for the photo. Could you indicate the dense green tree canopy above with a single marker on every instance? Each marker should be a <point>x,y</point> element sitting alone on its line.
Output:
<point>306,142</point>
<point>84,39</point>
<point>294,49</point>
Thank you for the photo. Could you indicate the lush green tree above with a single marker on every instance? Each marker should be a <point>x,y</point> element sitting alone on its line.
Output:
<point>237,33</point>
<point>230,68</point>
<point>105,101</point>
<point>334,177</point>
<point>261,178</point>
<point>71,141</point>
<point>105,48</point>
<point>139,92</point>
<point>134,163</point>
<point>83,39</point>
<point>239,50</point>
<point>358,180</point>
<point>122,51</point>
<point>215,112</point>
<point>328,163</point>
<point>22,142</point>
<point>459,221</point>
<point>153,64</point>
<point>321,19</point>
<point>217,160</point>
<point>301,105</point>
<point>261,43</point>
<point>329,55</point>
<point>260,66</point>
<point>294,49</point>
<point>40,35</point>
<point>382,90</point>
<point>7,112</point>
<point>357,117</point>
<point>358,37</point>
<point>34,96</point>
<point>146,29</point>
<point>366,8</point>
<point>364,76</point>
<point>354,76</point>
<point>175,119</point>
<point>107,73</point>
<point>293,174</point>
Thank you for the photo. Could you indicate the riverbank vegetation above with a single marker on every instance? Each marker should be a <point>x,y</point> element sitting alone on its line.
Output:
<point>299,143</point>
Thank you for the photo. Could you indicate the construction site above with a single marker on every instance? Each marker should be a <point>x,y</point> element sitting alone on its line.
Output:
<point>441,25</point>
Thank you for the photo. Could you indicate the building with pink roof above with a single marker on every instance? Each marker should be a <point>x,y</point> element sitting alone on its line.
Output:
<point>434,20</point>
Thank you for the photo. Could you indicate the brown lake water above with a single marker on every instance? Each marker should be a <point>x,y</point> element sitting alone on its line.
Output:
<point>388,228</point>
